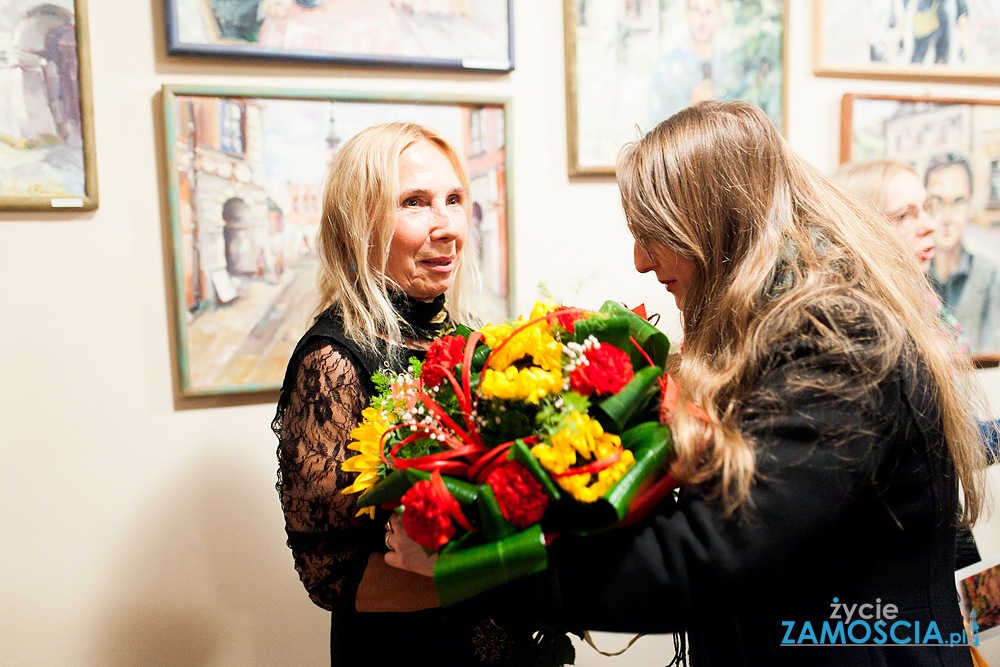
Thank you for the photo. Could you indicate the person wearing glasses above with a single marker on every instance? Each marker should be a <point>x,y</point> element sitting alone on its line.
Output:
<point>969,283</point>
<point>896,190</point>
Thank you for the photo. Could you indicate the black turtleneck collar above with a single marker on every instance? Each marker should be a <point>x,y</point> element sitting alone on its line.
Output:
<point>420,319</point>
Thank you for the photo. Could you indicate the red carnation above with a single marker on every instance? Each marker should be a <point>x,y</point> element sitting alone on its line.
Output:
<point>443,355</point>
<point>606,370</point>
<point>425,518</point>
<point>521,498</point>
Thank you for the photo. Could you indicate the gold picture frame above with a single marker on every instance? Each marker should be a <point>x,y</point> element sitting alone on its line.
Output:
<point>952,40</point>
<point>48,160</point>
<point>621,62</point>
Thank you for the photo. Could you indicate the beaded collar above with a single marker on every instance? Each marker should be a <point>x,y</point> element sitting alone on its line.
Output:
<point>423,320</point>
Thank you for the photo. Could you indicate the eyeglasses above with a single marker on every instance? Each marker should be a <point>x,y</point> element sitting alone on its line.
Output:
<point>906,218</point>
<point>936,205</point>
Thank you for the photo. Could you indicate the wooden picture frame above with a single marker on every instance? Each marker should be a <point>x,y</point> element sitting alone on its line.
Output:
<point>47,154</point>
<point>950,40</point>
<point>245,171</point>
<point>943,138</point>
<point>440,35</point>
<point>632,63</point>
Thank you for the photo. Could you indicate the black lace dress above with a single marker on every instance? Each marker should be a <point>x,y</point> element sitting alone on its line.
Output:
<point>326,387</point>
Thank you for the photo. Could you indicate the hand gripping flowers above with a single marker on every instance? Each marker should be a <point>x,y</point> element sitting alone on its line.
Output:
<point>546,423</point>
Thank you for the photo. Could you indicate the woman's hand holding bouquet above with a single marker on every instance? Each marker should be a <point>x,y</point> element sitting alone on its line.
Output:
<point>506,436</point>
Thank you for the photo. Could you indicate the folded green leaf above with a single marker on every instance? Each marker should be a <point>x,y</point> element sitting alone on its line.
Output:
<point>461,574</point>
<point>398,482</point>
<point>615,412</point>
<point>650,444</point>
<point>651,339</point>
<point>493,525</point>
<point>519,452</point>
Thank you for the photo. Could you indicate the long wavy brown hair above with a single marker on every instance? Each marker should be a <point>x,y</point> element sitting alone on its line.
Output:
<point>780,252</point>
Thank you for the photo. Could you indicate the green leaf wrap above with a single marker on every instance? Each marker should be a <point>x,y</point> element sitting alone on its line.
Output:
<point>493,525</point>
<point>461,574</point>
<point>395,486</point>
<point>390,489</point>
<point>650,444</point>
<point>614,330</point>
<point>653,341</point>
<point>615,412</point>
<point>519,452</point>
<point>480,356</point>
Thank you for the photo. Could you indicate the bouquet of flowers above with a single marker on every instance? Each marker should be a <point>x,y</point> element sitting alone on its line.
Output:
<point>511,434</point>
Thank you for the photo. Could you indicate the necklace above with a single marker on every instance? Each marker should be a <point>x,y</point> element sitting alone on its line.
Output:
<point>420,319</point>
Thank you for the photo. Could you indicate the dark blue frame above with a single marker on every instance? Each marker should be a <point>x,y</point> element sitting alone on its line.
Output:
<point>177,48</point>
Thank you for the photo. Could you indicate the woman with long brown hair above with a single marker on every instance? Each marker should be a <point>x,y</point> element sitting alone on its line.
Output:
<point>822,431</point>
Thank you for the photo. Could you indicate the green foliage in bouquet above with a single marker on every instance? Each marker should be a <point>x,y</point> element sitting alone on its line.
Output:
<point>513,433</point>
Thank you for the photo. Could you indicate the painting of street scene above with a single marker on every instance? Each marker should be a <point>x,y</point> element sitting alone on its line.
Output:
<point>954,147</point>
<point>42,123</point>
<point>246,199</point>
<point>632,63</point>
<point>473,34</point>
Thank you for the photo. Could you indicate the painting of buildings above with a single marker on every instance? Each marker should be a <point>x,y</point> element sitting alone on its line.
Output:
<point>42,111</point>
<point>246,201</point>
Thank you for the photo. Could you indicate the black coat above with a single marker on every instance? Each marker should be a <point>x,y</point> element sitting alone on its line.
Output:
<point>857,501</point>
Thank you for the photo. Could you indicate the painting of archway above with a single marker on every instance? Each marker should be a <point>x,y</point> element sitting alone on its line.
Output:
<point>246,171</point>
<point>46,135</point>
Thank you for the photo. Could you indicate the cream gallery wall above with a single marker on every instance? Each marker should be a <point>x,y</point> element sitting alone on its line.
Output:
<point>139,521</point>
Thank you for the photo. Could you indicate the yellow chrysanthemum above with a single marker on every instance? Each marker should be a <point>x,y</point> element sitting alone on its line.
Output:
<point>583,438</point>
<point>368,436</point>
<point>527,384</point>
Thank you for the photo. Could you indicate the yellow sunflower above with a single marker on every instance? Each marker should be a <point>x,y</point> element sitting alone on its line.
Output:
<point>368,436</point>
<point>503,380</point>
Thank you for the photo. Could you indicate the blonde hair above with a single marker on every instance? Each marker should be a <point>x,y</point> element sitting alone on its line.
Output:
<point>780,252</point>
<point>869,178</point>
<point>359,199</point>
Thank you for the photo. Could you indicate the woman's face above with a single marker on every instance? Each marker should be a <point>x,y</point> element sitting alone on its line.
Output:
<point>674,271</point>
<point>430,222</point>
<point>905,204</point>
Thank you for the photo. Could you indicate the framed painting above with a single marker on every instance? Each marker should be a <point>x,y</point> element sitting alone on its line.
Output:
<point>47,158</point>
<point>941,40</point>
<point>954,147</point>
<point>632,63</point>
<point>245,176</point>
<point>431,34</point>
<point>979,592</point>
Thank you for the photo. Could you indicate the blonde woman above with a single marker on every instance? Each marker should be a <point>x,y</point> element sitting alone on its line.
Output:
<point>821,469</point>
<point>896,190</point>
<point>392,277</point>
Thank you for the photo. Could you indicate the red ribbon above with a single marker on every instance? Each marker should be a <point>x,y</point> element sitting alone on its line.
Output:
<point>671,391</point>
<point>491,460</point>
<point>448,502</point>
<point>648,499</point>
<point>596,466</point>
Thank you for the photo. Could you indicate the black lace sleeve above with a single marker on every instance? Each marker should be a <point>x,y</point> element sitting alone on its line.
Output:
<point>315,417</point>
